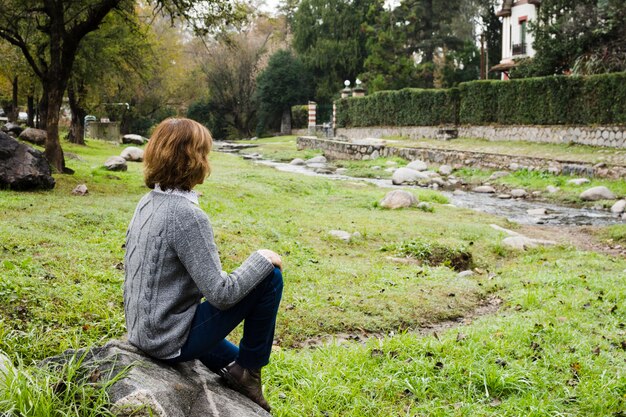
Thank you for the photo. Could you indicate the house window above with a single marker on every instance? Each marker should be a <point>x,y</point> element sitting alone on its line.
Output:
<point>522,32</point>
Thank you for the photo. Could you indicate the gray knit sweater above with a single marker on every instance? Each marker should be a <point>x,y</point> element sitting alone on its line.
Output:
<point>171,263</point>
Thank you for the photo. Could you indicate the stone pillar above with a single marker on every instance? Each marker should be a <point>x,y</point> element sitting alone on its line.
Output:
<point>358,91</point>
<point>346,92</point>
<point>312,117</point>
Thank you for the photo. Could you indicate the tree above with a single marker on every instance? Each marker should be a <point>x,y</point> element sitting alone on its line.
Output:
<point>284,83</point>
<point>330,38</point>
<point>49,33</point>
<point>587,35</point>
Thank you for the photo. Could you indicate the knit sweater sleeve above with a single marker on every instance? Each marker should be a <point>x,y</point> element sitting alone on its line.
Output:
<point>194,244</point>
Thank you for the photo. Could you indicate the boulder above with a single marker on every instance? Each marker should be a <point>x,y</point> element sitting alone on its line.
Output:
<point>407,176</point>
<point>132,154</point>
<point>445,170</point>
<point>22,167</point>
<point>341,235</point>
<point>134,139</point>
<point>116,163</point>
<point>81,189</point>
<point>398,199</point>
<point>34,136</point>
<point>417,165</point>
<point>597,193</point>
<point>518,193</point>
<point>484,189</point>
<point>579,181</point>
<point>12,128</point>
<point>317,160</point>
<point>297,161</point>
<point>187,389</point>
<point>619,207</point>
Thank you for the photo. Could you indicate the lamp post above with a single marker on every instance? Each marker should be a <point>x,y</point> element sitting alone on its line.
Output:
<point>358,91</point>
<point>346,92</point>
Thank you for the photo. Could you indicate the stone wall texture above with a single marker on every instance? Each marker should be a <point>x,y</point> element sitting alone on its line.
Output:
<point>609,136</point>
<point>337,149</point>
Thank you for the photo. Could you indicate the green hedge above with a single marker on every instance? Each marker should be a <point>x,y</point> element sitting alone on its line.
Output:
<point>407,107</point>
<point>556,100</point>
<point>300,116</point>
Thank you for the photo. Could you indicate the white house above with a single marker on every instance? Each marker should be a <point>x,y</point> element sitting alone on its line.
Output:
<point>517,41</point>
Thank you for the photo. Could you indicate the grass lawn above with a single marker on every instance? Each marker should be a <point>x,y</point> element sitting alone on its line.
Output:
<point>555,347</point>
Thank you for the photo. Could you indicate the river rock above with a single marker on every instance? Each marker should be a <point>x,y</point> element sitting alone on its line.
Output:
<point>445,170</point>
<point>498,174</point>
<point>514,166</point>
<point>317,160</point>
<point>398,199</point>
<point>504,196</point>
<point>341,235</point>
<point>522,242</point>
<point>552,189</point>
<point>22,167</point>
<point>187,389</point>
<point>407,176</point>
<point>80,189</point>
<point>579,181</point>
<point>134,139</point>
<point>12,128</point>
<point>34,136</point>
<point>465,274</point>
<point>417,165</point>
<point>597,193</point>
<point>484,189</point>
<point>116,163</point>
<point>132,154</point>
<point>537,212</point>
<point>518,193</point>
<point>619,207</point>
<point>297,161</point>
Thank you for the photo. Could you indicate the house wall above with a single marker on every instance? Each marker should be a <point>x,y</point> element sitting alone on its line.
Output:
<point>511,29</point>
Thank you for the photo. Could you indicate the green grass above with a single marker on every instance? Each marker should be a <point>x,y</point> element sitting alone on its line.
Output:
<point>554,348</point>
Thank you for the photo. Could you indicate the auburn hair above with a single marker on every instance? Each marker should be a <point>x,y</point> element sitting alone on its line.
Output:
<point>176,155</point>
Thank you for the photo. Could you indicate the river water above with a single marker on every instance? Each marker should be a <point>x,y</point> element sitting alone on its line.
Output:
<point>514,210</point>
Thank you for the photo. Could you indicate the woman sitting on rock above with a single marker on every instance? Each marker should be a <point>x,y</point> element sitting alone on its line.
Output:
<point>172,262</point>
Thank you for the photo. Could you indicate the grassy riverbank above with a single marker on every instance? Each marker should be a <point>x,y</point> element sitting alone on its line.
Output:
<point>555,347</point>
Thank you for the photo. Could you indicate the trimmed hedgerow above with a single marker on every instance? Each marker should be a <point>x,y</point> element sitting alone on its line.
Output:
<point>555,100</point>
<point>299,116</point>
<point>407,107</point>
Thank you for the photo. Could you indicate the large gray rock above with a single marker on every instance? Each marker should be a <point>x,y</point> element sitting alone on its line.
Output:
<point>34,136</point>
<point>407,176</point>
<point>518,193</point>
<point>317,160</point>
<point>183,390</point>
<point>398,199</point>
<point>13,128</point>
<point>445,170</point>
<point>297,161</point>
<point>116,163</point>
<point>417,165</point>
<point>484,189</point>
<point>134,139</point>
<point>22,167</point>
<point>619,207</point>
<point>597,193</point>
<point>132,154</point>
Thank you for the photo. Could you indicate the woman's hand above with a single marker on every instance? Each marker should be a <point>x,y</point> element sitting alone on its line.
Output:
<point>273,257</point>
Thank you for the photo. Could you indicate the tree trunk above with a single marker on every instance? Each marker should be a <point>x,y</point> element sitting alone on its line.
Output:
<point>285,122</point>
<point>13,114</point>
<point>43,111</point>
<point>77,127</point>
<point>53,152</point>
<point>30,100</point>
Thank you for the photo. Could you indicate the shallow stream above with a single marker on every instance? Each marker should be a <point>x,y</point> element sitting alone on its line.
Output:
<point>513,209</point>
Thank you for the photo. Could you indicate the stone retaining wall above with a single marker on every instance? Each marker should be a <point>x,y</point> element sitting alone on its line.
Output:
<point>335,149</point>
<point>609,136</point>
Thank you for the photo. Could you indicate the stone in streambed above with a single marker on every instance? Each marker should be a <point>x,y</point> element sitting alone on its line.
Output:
<point>407,176</point>
<point>597,193</point>
<point>518,193</point>
<point>417,165</point>
<point>619,207</point>
<point>484,189</point>
<point>297,161</point>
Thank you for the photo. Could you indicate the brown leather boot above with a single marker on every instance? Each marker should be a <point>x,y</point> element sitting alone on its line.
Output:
<point>246,381</point>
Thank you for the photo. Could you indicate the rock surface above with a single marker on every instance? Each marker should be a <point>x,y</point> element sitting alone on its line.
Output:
<point>341,235</point>
<point>317,160</point>
<point>407,176</point>
<point>398,199</point>
<point>297,161</point>
<point>183,390</point>
<point>522,242</point>
<point>518,193</point>
<point>22,167</point>
<point>552,189</point>
<point>34,136</point>
<point>417,165</point>
<point>484,189</point>
<point>619,207</point>
<point>498,174</point>
<point>81,189</point>
<point>597,193</point>
<point>134,139</point>
<point>116,163</point>
<point>445,170</point>
<point>132,154</point>
<point>13,128</point>
<point>579,181</point>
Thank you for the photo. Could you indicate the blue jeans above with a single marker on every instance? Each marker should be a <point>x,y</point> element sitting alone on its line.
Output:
<point>210,326</point>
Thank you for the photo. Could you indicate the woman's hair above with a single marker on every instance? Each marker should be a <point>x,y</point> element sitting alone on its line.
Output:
<point>176,155</point>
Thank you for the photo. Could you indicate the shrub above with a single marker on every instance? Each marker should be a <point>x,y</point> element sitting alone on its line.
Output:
<point>299,116</point>
<point>433,254</point>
